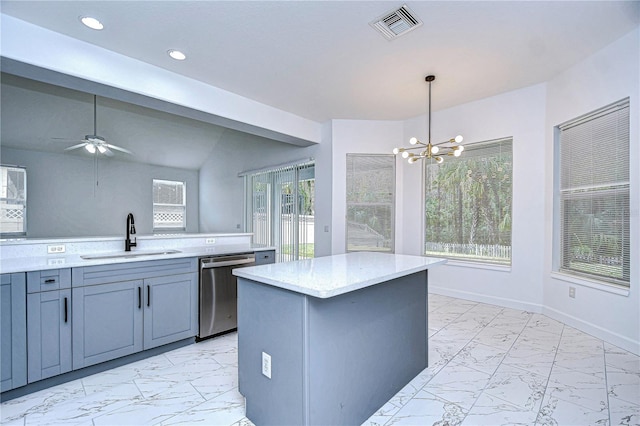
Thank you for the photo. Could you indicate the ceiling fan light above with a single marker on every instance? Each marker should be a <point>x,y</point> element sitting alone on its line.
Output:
<point>92,23</point>
<point>102,149</point>
<point>90,147</point>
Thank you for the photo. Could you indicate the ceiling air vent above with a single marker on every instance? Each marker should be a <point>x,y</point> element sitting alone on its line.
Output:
<point>396,23</point>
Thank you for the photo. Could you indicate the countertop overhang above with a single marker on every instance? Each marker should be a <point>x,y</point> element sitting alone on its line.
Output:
<point>329,276</point>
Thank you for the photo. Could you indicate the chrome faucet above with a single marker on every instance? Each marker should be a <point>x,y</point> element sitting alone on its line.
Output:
<point>131,229</point>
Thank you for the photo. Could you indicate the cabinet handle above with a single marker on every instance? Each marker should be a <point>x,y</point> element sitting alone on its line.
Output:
<point>66,310</point>
<point>50,281</point>
<point>148,295</point>
<point>139,297</point>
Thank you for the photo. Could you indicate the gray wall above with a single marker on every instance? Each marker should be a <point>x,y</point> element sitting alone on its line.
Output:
<point>63,200</point>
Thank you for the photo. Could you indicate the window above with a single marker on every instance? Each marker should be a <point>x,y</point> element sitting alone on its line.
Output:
<point>13,201</point>
<point>169,205</point>
<point>370,202</point>
<point>592,196</point>
<point>468,204</point>
<point>280,209</point>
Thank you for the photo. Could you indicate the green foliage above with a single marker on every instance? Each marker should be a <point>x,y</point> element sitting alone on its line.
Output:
<point>468,201</point>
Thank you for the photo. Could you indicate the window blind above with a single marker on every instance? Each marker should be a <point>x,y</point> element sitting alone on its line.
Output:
<point>594,195</point>
<point>370,202</point>
<point>280,208</point>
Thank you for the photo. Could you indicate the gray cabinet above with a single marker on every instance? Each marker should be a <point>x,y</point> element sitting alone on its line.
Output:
<point>107,322</point>
<point>13,331</point>
<point>48,323</point>
<point>171,309</point>
<point>265,257</point>
<point>125,308</point>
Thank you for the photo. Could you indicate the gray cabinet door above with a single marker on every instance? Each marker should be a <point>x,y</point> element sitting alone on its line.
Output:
<point>107,322</point>
<point>13,331</point>
<point>171,309</point>
<point>49,334</point>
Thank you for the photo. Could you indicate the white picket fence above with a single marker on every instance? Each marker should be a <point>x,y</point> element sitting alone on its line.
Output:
<point>492,251</point>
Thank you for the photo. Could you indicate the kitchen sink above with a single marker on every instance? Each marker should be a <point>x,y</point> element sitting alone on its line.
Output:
<point>128,254</point>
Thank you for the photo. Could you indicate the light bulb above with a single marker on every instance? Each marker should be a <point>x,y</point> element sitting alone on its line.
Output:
<point>91,148</point>
<point>102,149</point>
<point>413,160</point>
<point>457,153</point>
<point>413,141</point>
<point>405,154</point>
<point>177,55</point>
<point>396,151</point>
<point>458,138</point>
<point>92,23</point>
<point>439,160</point>
<point>461,148</point>
<point>435,149</point>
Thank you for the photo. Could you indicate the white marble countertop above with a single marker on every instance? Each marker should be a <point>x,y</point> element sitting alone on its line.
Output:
<point>330,276</point>
<point>73,260</point>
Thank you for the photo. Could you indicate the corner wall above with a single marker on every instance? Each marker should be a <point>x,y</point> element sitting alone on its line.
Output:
<point>607,76</point>
<point>519,114</point>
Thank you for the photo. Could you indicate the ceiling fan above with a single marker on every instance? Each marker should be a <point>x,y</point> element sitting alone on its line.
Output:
<point>97,144</point>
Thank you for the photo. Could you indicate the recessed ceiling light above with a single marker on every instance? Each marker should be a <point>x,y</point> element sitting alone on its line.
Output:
<point>177,55</point>
<point>92,23</point>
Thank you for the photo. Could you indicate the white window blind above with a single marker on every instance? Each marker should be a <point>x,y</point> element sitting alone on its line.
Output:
<point>370,202</point>
<point>280,208</point>
<point>13,201</point>
<point>593,191</point>
<point>169,205</point>
<point>468,204</point>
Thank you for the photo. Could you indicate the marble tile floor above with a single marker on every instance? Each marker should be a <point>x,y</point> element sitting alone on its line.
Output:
<point>488,366</point>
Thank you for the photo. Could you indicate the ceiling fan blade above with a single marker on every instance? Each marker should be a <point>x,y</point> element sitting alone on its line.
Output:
<point>80,145</point>
<point>117,148</point>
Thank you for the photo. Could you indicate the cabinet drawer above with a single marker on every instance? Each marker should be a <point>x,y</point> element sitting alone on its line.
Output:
<point>102,274</point>
<point>54,279</point>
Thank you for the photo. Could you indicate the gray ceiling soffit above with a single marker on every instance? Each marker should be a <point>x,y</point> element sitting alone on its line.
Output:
<point>21,69</point>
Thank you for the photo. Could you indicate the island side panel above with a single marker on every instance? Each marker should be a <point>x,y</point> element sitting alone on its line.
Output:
<point>364,347</point>
<point>271,320</point>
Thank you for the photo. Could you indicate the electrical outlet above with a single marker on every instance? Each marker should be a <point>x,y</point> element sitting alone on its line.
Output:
<point>572,292</point>
<point>266,364</point>
<point>238,226</point>
<point>55,262</point>
<point>210,241</point>
<point>326,228</point>
<point>58,248</point>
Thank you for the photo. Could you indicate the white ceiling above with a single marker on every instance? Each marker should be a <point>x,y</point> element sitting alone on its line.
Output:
<point>322,60</point>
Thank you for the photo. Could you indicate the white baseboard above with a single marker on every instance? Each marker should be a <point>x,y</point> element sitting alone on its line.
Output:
<point>592,329</point>
<point>483,298</point>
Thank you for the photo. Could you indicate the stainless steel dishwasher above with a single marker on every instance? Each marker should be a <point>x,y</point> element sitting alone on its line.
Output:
<point>219,292</point>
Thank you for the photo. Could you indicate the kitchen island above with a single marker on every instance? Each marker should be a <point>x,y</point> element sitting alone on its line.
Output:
<point>328,341</point>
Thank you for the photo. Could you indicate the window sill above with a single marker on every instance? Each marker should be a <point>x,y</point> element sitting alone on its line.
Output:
<point>609,288</point>
<point>475,265</point>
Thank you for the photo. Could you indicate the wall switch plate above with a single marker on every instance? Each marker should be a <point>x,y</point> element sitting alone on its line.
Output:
<point>572,292</point>
<point>266,364</point>
<point>57,248</point>
<point>55,262</point>
<point>210,241</point>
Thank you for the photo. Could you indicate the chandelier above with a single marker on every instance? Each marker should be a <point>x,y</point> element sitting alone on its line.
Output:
<point>429,150</point>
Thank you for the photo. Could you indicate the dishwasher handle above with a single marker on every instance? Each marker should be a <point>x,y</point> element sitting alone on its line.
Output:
<point>220,263</point>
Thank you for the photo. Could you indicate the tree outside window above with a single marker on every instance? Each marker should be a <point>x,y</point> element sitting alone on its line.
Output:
<point>468,204</point>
